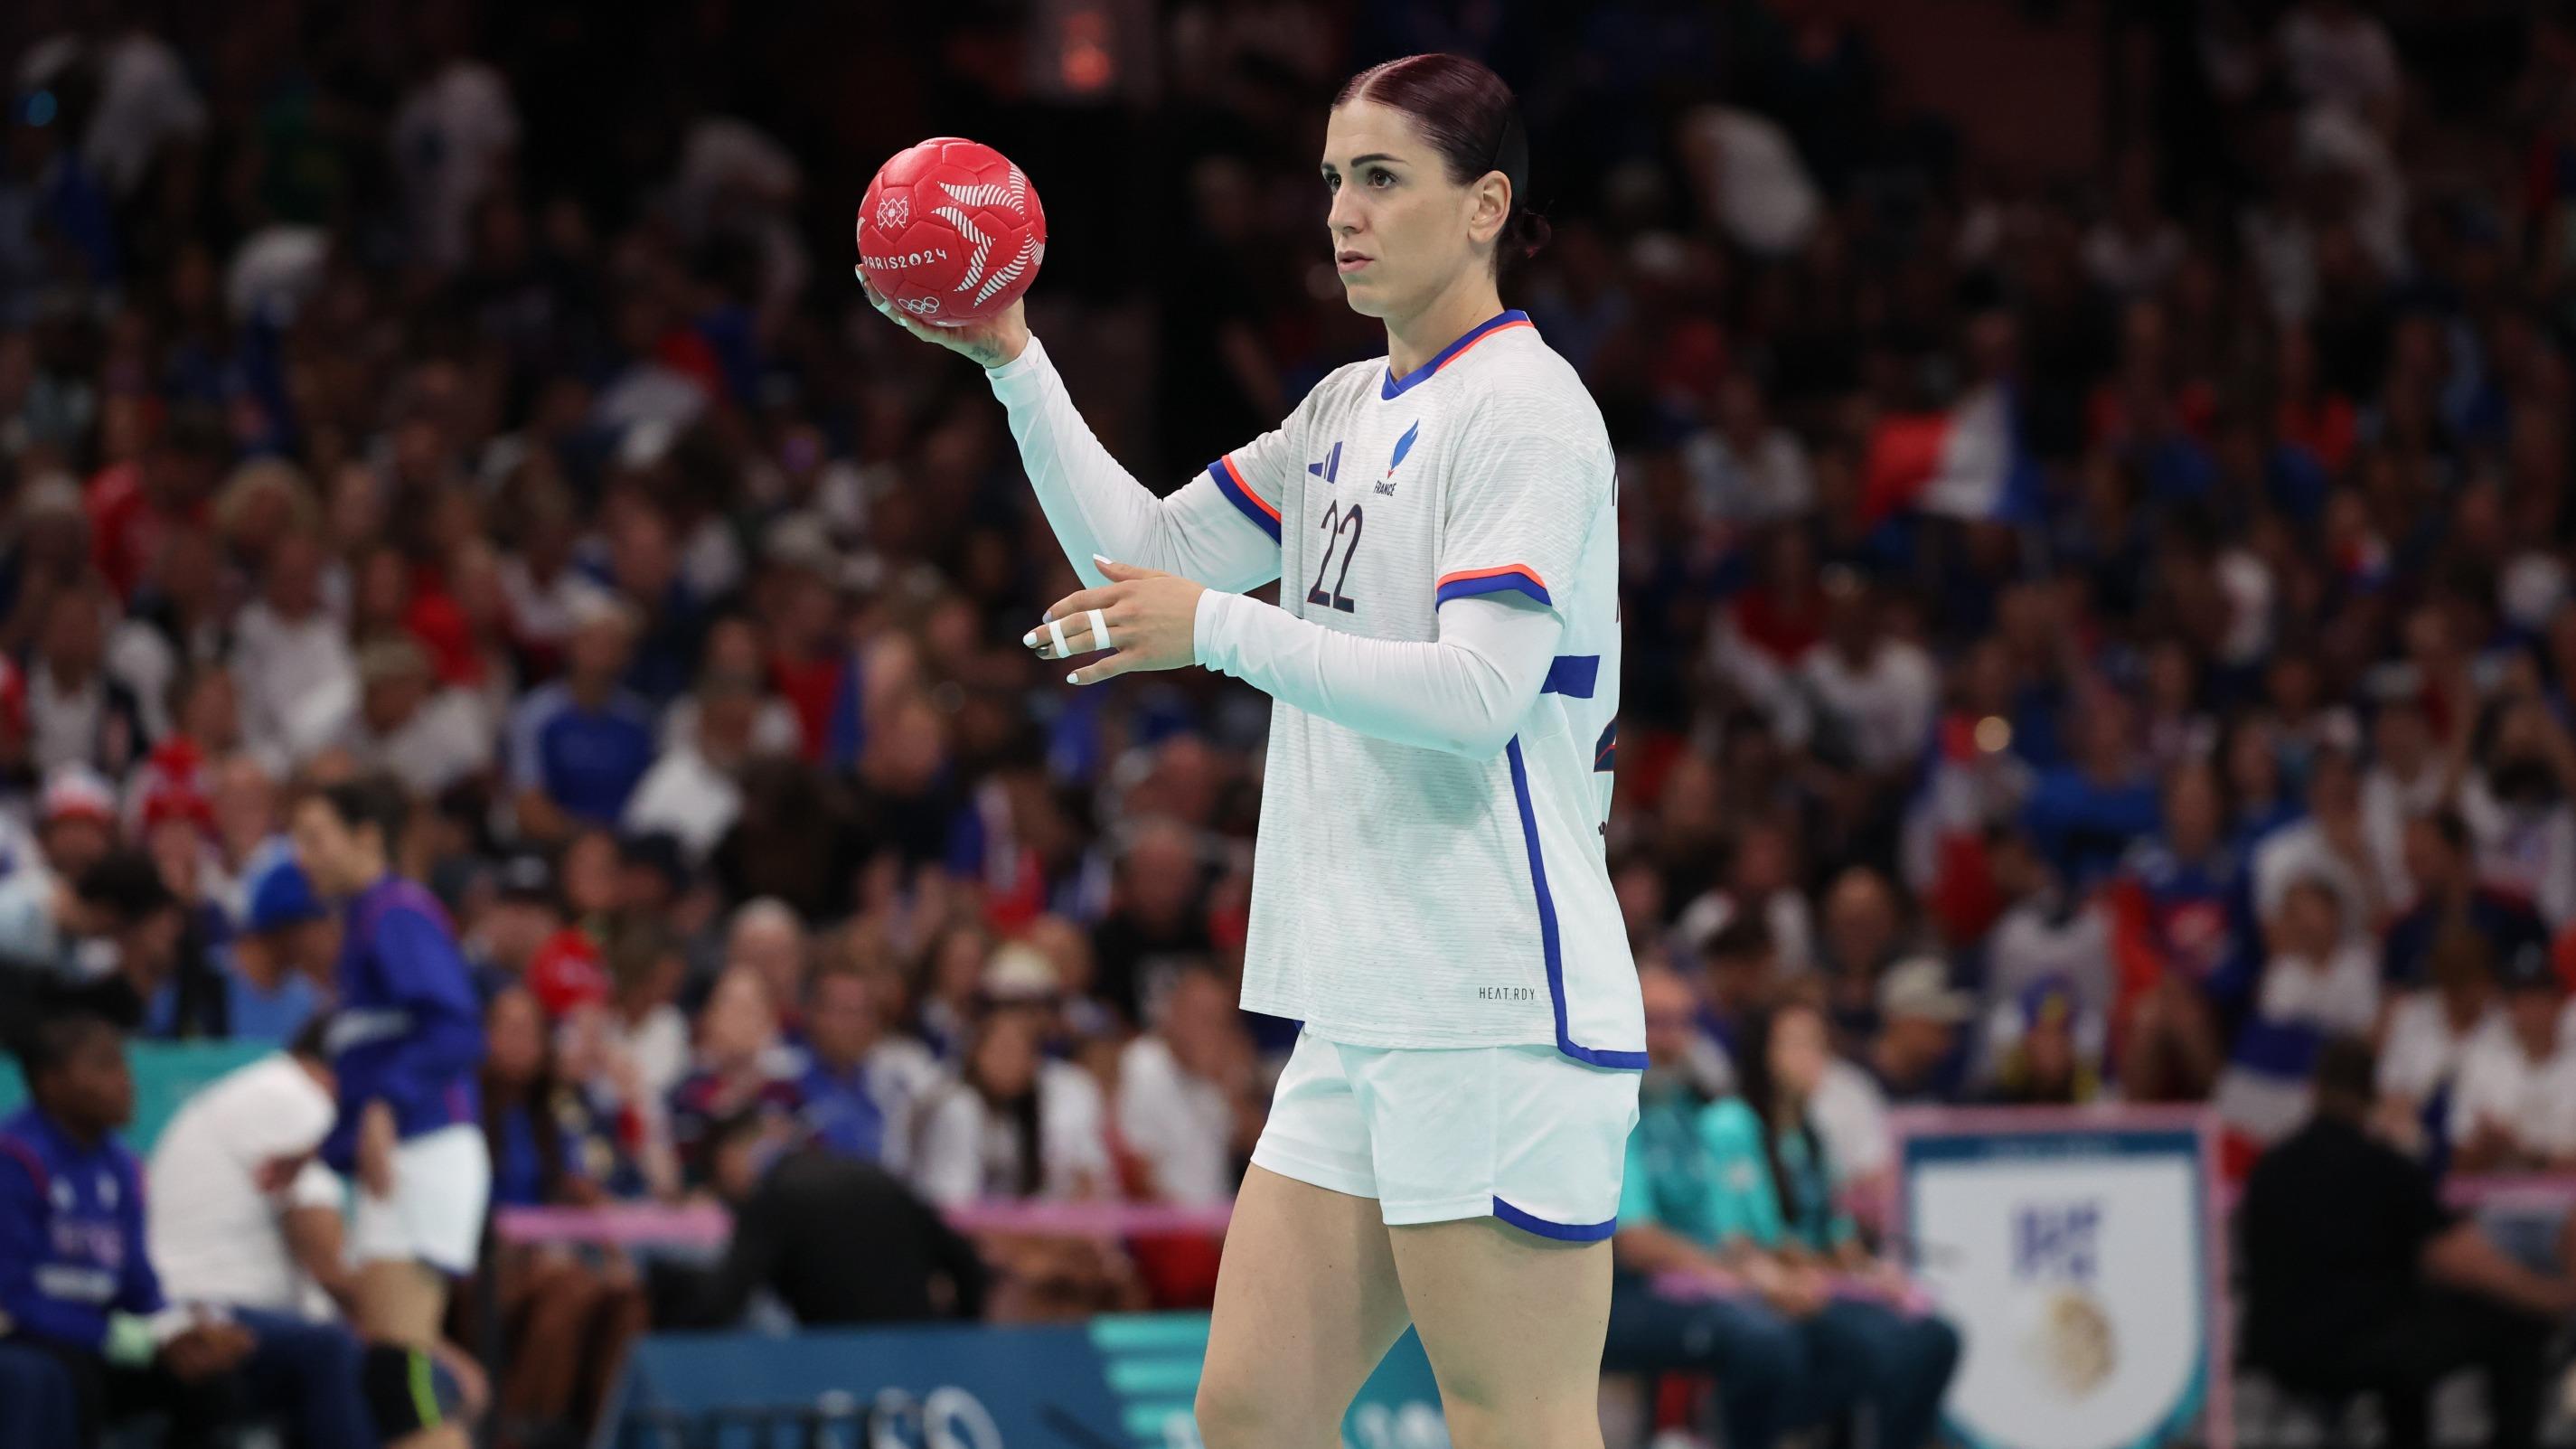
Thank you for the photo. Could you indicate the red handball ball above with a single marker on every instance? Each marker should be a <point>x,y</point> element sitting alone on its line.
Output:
<point>951,232</point>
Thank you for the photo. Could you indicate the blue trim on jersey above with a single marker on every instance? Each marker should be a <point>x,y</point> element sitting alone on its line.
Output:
<point>1605,753</point>
<point>1572,675</point>
<point>1225,484</point>
<point>1492,584</point>
<point>1617,1061</point>
<point>1562,1232</point>
<point>1393,385</point>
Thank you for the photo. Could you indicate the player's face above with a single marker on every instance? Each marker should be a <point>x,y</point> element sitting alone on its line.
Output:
<point>1402,231</point>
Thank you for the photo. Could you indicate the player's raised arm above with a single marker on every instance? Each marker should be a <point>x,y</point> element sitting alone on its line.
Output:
<point>1227,540</point>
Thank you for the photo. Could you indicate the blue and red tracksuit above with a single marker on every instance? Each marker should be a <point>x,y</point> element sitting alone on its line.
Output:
<point>72,1253</point>
<point>71,1234</point>
<point>408,1031</point>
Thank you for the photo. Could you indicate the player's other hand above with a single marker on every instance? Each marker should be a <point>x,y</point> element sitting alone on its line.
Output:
<point>1151,619</point>
<point>990,344</point>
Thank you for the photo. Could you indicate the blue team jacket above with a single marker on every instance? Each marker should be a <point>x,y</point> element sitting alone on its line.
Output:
<point>71,1234</point>
<point>407,1030</point>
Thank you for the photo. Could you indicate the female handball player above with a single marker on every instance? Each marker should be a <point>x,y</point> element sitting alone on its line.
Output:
<point>1429,895</point>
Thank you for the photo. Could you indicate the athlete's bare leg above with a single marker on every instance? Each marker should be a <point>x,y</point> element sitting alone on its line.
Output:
<point>1513,1324</point>
<point>1306,1304</point>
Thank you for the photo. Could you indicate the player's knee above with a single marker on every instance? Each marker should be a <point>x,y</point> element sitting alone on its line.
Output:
<point>1236,1411</point>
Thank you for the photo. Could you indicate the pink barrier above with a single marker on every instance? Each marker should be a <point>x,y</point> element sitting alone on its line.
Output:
<point>705,1225</point>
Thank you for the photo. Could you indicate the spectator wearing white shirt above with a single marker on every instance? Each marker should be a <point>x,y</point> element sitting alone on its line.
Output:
<point>2514,1106</point>
<point>2316,986</point>
<point>291,655</point>
<point>2519,814</point>
<point>452,138</point>
<point>1874,694</point>
<point>2431,1034</point>
<point>1185,1104</point>
<point>691,791</point>
<point>240,1211</point>
<point>1746,469</point>
<point>2409,778</point>
<point>2331,845</point>
<point>405,723</point>
<point>2134,251</point>
<point>2337,54</point>
<point>77,713</point>
<point>1018,1127</point>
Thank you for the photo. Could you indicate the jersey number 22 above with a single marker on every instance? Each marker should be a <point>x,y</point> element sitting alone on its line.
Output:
<point>1335,521</point>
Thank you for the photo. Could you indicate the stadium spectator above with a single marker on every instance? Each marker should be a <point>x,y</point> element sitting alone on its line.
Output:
<point>2428,1038</point>
<point>240,1214</point>
<point>1739,971</point>
<point>644,1023</point>
<point>2448,898</point>
<point>2317,984</point>
<point>566,1317</point>
<point>767,938</point>
<point>864,1088</point>
<point>292,654</point>
<point>274,968</point>
<point>797,1215</point>
<point>579,746</point>
<point>77,1279</point>
<point>2359,1281</point>
<point>1186,1108</point>
<point>105,943</point>
<point>741,1066</point>
<point>2513,1106</point>
<point>2052,931</point>
<point>1773,1190</point>
<point>76,823</point>
<point>1862,936</point>
<point>1015,1126</point>
<point>1670,1227</point>
<point>1918,1054</point>
<point>690,791</point>
<point>1158,921</point>
<point>239,1211</point>
<point>77,713</point>
<point>407,724</point>
<point>2052,1057</point>
<point>523,914</point>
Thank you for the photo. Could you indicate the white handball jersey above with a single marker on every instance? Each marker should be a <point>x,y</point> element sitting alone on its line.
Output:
<point>1408,897</point>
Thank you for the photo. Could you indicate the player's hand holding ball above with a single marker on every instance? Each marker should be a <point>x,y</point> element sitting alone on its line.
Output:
<point>1149,617</point>
<point>950,236</point>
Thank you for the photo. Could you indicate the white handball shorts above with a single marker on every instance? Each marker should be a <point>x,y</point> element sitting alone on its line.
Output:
<point>442,1185</point>
<point>1521,1133</point>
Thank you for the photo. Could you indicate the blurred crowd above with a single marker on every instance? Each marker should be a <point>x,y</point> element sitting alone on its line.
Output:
<point>2088,637</point>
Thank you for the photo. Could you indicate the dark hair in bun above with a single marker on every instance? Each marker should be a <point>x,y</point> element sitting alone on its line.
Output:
<point>1471,118</point>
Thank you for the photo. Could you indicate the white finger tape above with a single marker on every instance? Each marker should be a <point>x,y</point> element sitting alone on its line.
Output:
<point>1055,632</point>
<point>1099,629</point>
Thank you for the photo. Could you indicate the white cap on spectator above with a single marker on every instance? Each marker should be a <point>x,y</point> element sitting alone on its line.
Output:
<point>1019,972</point>
<point>599,606</point>
<point>50,493</point>
<point>76,790</point>
<point>1918,988</point>
<point>800,540</point>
